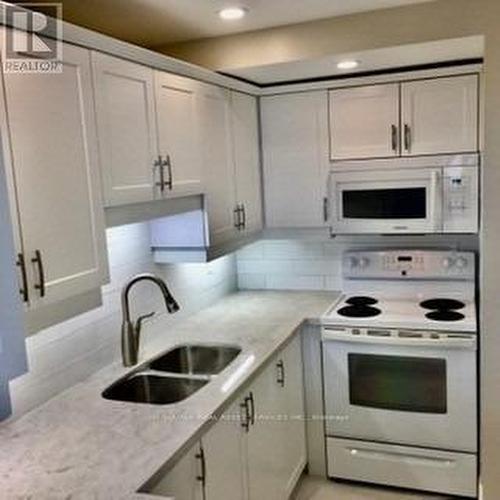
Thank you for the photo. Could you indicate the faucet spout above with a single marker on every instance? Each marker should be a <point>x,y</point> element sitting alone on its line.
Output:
<point>131,331</point>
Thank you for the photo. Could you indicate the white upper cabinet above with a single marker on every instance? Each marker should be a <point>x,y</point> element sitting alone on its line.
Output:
<point>178,132</point>
<point>218,169</point>
<point>440,115</point>
<point>124,94</point>
<point>422,117</point>
<point>245,130</point>
<point>53,144</point>
<point>295,156</point>
<point>364,122</point>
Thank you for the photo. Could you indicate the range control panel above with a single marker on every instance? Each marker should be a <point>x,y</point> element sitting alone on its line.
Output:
<point>409,264</point>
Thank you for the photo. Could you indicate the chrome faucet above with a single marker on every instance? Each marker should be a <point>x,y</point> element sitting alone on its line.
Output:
<point>131,331</point>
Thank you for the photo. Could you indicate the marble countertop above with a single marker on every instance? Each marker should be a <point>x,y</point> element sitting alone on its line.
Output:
<point>81,446</point>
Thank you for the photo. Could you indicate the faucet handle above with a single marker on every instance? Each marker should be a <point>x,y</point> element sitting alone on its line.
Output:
<point>141,319</point>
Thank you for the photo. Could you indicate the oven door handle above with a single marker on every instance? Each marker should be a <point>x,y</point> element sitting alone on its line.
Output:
<point>467,342</point>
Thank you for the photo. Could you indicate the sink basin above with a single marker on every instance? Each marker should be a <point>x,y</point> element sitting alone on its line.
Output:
<point>195,359</point>
<point>153,389</point>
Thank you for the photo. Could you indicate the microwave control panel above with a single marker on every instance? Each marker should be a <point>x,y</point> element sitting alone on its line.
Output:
<point>460,200</point>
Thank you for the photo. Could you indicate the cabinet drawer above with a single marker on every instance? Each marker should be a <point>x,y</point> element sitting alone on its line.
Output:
<point>403,466</point>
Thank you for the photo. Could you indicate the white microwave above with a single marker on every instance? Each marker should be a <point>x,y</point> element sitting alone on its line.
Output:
<point>408,199</point>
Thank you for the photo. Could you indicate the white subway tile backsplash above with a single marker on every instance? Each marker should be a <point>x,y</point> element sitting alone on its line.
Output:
<point>313,265</point>
<point>251,281</point>
<point>294,282</point>
<point>67,353</point>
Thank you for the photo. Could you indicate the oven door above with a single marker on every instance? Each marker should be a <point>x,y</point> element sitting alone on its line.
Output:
<point>407,390</point>
<point>397,201</point>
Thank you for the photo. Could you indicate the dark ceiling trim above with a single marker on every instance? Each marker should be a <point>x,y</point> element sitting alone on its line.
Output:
<point>362,74</point>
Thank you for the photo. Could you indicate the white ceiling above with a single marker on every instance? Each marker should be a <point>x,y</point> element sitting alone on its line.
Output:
<point>158,22</point>
<point>377,59</point>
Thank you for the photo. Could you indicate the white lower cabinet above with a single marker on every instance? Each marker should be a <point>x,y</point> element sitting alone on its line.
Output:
<point>223,447</point>
<point>257,449</point>
<point>276,444</point>
<point>184,480</point>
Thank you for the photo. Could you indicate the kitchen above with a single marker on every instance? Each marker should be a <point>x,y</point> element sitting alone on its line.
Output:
<point>199,315</point>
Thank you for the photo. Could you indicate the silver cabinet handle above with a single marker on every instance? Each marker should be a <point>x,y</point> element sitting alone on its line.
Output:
<point>325,209</point>
<point>237,217</point>
<point>407,138</point>
<point>23,290</point>
<point>170,182</point>
<point>240,219</point>
<point>159,164</point>
<point>245,423</point>
<point>281,373</point>
<point>40,286</point>
<point>203,476</point>
<point>243,217</point>
<point>252,408</point>
<point>394,138</point>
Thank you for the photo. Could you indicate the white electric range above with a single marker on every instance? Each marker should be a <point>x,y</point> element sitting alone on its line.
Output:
<point>400,371</point>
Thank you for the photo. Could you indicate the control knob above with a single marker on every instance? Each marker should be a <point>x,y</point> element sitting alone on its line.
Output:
<point>363,262</point>
<point>448,262</point>
<point>353,262</point>
<point>461,263</point>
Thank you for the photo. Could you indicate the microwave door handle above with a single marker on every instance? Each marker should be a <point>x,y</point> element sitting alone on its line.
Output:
<point>332,205</point>
<point>436,209</point>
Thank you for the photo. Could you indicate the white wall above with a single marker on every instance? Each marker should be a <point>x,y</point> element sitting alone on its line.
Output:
<point>67,353</point>
<point>315,265</point>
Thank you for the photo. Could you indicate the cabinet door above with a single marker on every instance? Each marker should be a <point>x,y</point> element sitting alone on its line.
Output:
<point>364,122</point>
<point>178,115</point>
<point>440,115</point>
<point>218,167</point>
<point>182,481</point>
<point>295,155</point>
<point>124,96</point>
<point>54,155</point>
<point>292,386</point>
<point>224,457</point>
<point>265,439</point>
<point>245,128</point>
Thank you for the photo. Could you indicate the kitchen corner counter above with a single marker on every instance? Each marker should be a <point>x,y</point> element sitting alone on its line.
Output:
<point>80,446</point>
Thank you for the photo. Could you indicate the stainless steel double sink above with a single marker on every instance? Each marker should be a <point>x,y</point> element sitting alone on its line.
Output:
<point>172,376</point>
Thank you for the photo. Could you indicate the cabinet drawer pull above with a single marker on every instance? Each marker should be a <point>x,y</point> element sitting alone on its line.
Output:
<point>325,209</point>
<point>394,138</point>
<point>41,273</point>
<point>23,290</point>
<point>281,373</point>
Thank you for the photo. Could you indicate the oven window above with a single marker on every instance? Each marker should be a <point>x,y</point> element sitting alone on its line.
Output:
<point>408,203</point>
<point>398,383</point>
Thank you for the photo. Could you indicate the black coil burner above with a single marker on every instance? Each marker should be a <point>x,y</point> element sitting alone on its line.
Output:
<point>361,301</point>
<point>442,304</point>
<point>359,311</point>
<point>445,315</point>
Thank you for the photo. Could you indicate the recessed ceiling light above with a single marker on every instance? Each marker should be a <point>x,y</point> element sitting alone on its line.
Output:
<point>232,13</point>
<point>348,64</point>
